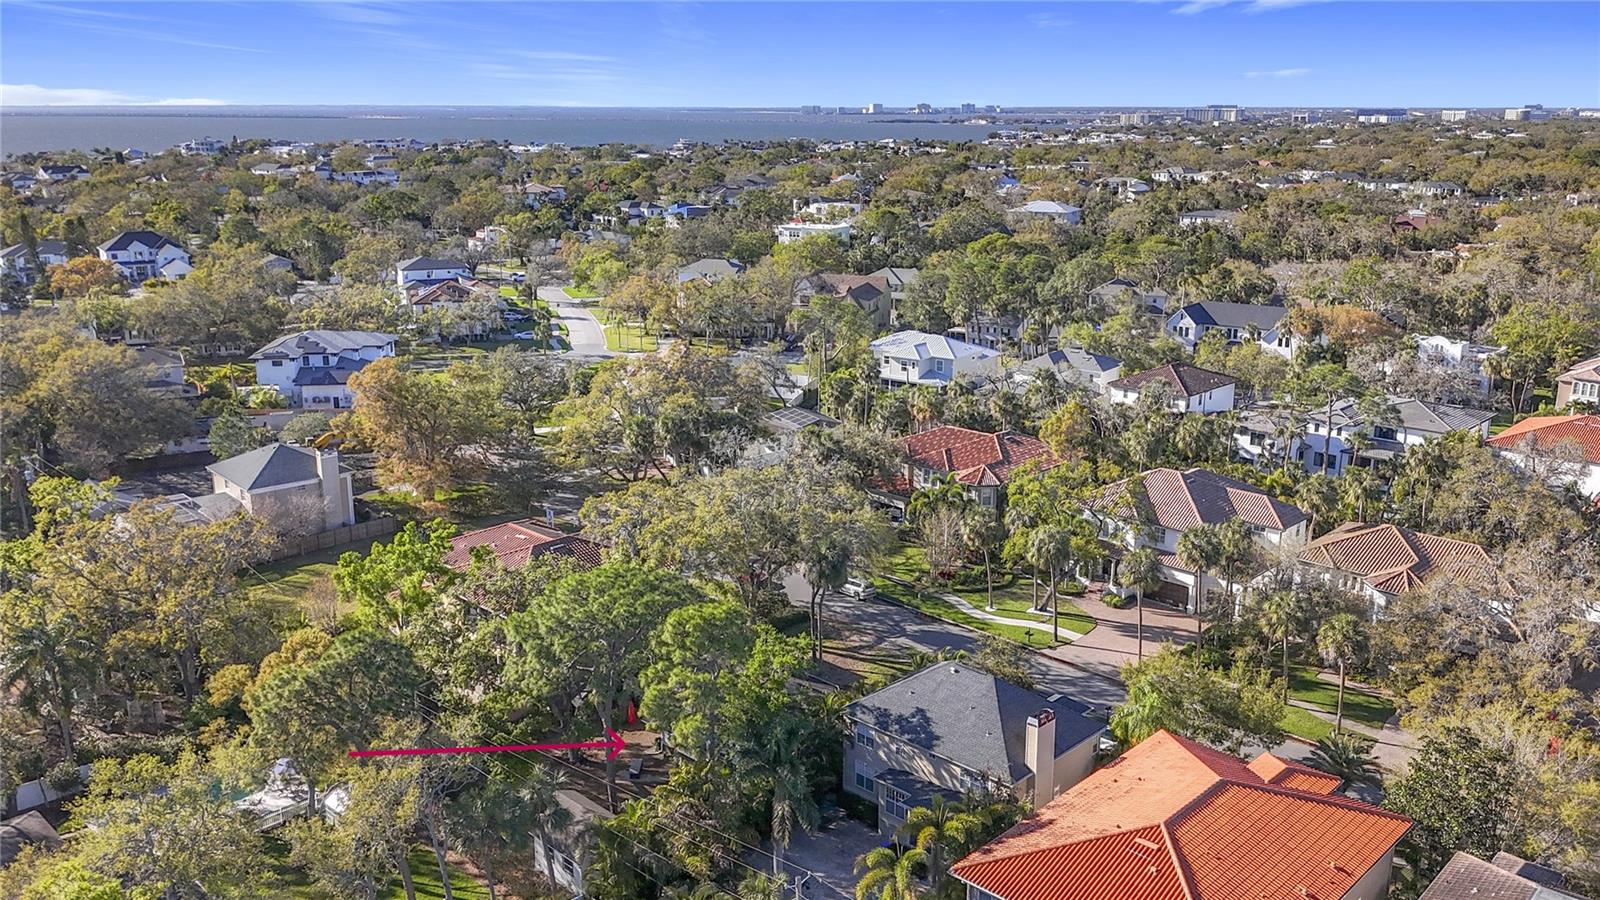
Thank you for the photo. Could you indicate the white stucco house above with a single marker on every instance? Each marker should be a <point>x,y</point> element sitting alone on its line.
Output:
<point>312,369</point>
<point>1563,450</point>
<point>428,270</point>
<point>1467,356</point>
<point>789,232</point>
<point>142,255</point>
<point>1238,322</point>
<point>1193,389</point>
<point>17,265</point>
<point>916,357</point>
<point>297,489</point>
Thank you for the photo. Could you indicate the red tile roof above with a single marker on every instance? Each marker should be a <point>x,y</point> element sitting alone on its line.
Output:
<point>1545,432</point>
<point>1188,499</point>
<point>1392,559</point>
<point>976,457</point>
<point>514,543</point>
<point>1187,380</point>
<point>1173,820</point>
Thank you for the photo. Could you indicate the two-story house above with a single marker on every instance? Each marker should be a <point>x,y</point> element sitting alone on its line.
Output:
<point>313,368</point>
<point>1471,358</point>
<point>1581,383</point>
<point>916,357</point>
<point>993,330</point>
<point>165,368</point>
<point>16,263</point>
<point>1382,562</point>
<point>296,489</point>
<point>1168,503</point>
<point>142,255</point>
<point>951,728</point>
<point>1172,819</point>
<point>1192,388</point>
<point>534,195</point>
<point>710,270</point>
<point>428,270</point>
<point>1342,434</point>
<point>59,173</point>
<point>1073,365</point>
<point>982,462</point>
<point>870,293</point>
<point>1238,322</point>
<point>1208,218</point>
<point>466,309</point>
<point>789,232</point>
<point>1111,296</point>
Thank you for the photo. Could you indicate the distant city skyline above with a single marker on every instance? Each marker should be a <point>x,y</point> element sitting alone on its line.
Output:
<point>1253,53</point>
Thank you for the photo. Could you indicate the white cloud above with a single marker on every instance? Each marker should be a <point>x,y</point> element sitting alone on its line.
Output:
<point>36,95</point>
<point>1277,73</point>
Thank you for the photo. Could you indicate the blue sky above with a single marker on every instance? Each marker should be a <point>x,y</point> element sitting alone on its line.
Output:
<point>1182,52</point>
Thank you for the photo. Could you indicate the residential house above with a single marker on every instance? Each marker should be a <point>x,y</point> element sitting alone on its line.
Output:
<point>16,263</point>
<point>1506,877</point>
<point>313,368</point>
<point>1115,292</point>
<point>1129,189</point>
<point>789,232</point>
<point>364,176</point>
<point>166,372</point>
<point>1343,434</point>
<point>1173,174</point>
<point>489,237</point>
<point>142,255</point>
<point>898,279</point>
<point>1208,218</point>
<point>206,146</point>
<point>1193,389</point>
<point>916,357</point>
<point>272,262</point>
<point>1238,322</point>
<point>1073,365</point>
<point>632,212</point>
<point>710,270</point>
<point>1581,383</point>
<point>1382,562</point>
<point>513,544</point>
<point>1562,450</point>
<point>1434,189</point>
<point>870,293</point>
<point>468,309</point>
<point>567,852</point>
<point>1169,503</point>
<point>951,728</point>
<point>296,489</point>
<point>780,430</point>
<point>428,270</point>
<point>1467,356</point>
<point>57,174</point>
<point>1172,819</point>
<point>1047,211</point>
<point>20,182</point>
<point>680,212</point>
<point>982,462</point>
<point>994,331</point>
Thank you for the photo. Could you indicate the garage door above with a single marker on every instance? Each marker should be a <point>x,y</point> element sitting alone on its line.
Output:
<point>1173,594</point>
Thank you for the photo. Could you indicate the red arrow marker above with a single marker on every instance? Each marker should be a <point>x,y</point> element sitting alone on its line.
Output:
<point>613,743</point>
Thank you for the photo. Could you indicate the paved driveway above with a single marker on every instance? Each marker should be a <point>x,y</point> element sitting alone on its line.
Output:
<point>829,856</point>
<point>585,337</point>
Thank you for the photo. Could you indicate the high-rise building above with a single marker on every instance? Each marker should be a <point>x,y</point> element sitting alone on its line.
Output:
<point>873,109</point>
<point>1533,112</point>
<point>1454,115</point>
<point>968,109</point>
<point>1134,118</point>
<point>810,110</point>
<point>1305,117</point>
<point>1380,116</point>
<point>1214,113</point>
<point>922,109</point>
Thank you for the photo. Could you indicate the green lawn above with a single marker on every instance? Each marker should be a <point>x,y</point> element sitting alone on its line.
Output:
<point>286,881</point>
<point>941,609</point>
<point>578,293</point>
<point>1305,724</point>
<point>1013,596</point>
<point>629,337</point>
<point>1359,706</point>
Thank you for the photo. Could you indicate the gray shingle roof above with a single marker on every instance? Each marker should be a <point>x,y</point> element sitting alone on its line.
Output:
<point>1075,359</point>
<point>1467,877</point>
<point>429,262</point>
<point>269,466</point>
<point>1234,315</point>
<point>970,717</point>
<point>1189,381</point>
<point>294,346</point>
<point>151,239</point>
<point>1412,415</point>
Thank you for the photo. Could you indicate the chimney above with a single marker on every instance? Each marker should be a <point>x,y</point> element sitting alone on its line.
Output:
<point>1040,753</point>
<point>332,504</point>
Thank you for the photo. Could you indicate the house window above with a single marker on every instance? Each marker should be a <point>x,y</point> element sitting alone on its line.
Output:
<point>894,803</point>
<point>938,366</point>
<point>865,737</point>
<point>277,363</point>
<point>1159,535</point>
<point>864,780</point>
<point>1383,432</point>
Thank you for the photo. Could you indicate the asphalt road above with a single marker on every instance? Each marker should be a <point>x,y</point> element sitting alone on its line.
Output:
<point>585,337</point>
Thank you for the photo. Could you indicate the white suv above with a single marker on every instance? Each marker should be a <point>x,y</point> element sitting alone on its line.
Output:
<point>859,588</point>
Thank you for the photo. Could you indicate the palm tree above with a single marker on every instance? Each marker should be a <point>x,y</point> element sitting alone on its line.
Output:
<point>42,660</point>
<point>793,803</point>
<point>1200,550</point>
<point>889,873</point>
<point>1338,641</point>
<point>1140,570</point>
<point>1280,617</point>
<point>940,830</point>
<point>494,821</point>
<point>1050,548</point>
<point>924,404</point>
<point>1236,547</point>
<point>983,533</point>
<point>1349,756</point>
<point>825,569</point>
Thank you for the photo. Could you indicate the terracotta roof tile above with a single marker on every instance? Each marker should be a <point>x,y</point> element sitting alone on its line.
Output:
<point>1545,432</point>
<point>1184,500</point>
<point>1392,559</point>
<point>514,543</point>
<point>976,457</point>
<point>1172,820</point>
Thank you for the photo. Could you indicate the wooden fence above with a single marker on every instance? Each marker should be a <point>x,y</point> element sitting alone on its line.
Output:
<point>361,531</point>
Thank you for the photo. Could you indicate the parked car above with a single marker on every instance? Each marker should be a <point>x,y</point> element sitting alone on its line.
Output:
<point>522,336</point>
<point>859,588</point>
<point>518,278</point>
